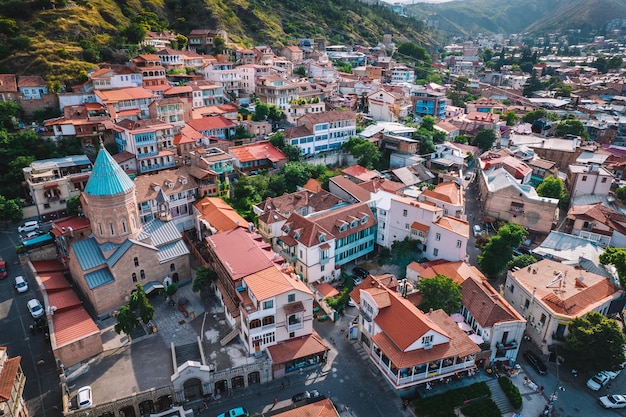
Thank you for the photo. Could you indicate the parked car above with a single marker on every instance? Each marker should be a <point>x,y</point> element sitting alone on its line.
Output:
<point>613,374</point>
<point>20,284</point>
<point>535,362</point>
<point>468,176</point>
<point>598,381</point>
<point>360,272</point>
<point>35,308</point>
<point>3,269</point>
<point>28,227</point>
<point>235,412</point>
<point>83,397</point>
<point>305,395</point>
<point>351,302</point>
<point>31,235</point>
<point>477,230</point>
<point>613,401</point>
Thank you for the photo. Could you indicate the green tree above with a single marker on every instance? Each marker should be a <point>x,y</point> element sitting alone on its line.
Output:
<point>301,71</point>
<point>261,112</point>
<point>428,123</point>
<point>621,194</point>
<point>204,280</point>
<point>532,84</point>
<point>134,33</point>
<point>593,343</point>
<point>10,210</point>
<point>571,127</point>
<point>74,206</point>
<point>296,174</point>
<point>414,51</point>
<point>521,261</point>
<point>602,64</point>
<point>277,185</point>
<point>533,116</point>
<point>440,292</point>
<point>461,83</point>
<point>498,251</point>
<point>10,112</point>
<point>615,62</point>
<point>510,117</point>
<point>181,42</point>
<point>275,114</point>
<point>171,289</point>
<point>552,187</point>
<point>484,139</point>
<point>461,139</point>
<point>139,310</point>
<point>617,258</point>
<point>364,151</point>
<point>219,45</point>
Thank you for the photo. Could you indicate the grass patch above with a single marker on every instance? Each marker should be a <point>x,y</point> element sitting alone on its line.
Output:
<point>511,391</point>
<point>443,405</point>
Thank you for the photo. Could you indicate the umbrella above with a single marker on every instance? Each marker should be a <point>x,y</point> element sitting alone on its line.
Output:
<point>457,317</point>
<point>464,326</point>
<point>476,339</point>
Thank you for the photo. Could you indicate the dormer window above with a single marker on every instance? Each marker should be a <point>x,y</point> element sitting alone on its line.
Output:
<point>322,237</point>
<point>343,227</point>
<point>354,223</point>
<point>364,219</point>
<point>296,235</point>
<point>286,228</point>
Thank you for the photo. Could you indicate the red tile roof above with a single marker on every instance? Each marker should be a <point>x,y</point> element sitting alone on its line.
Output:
<point>211,123</point>
<point>30,81</point>
<point>121,94</point>
<point>63,300</point>
<point>325,289</point>
<point>53,281</point>
<point>242,253</point>
<point>351,188</point>
<point>300,347</point>
<point>257,151</point>
<point>323,408</point>
<point>485,304</point>
<point>360,173</point>
<point>48,266</point>
<point>8,83</point>
<point>219,214</point>
<point>272,282</point>
<point>448,192</point>
<point>72,325</point>
<point>8,374</point>
<point>458,271</point>
<point>458,226</point>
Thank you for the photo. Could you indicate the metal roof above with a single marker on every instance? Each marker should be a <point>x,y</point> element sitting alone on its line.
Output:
<point>159,232</point>
<point>172,251</point>
<point>98,278</point>
<point>88,253</point>
<point>107,177</point>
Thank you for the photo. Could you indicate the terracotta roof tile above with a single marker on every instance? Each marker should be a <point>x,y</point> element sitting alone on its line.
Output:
<point>8,375</point>
<point>53,281</point>
<point>360,173</point>
<point>219,214</point>
<point>458,271</point>
<point>257,151</point>
<point>72,325</point>
<point>323,408</point>
<point>121,94</point>
<point>449,192</point>
<point>271,282</point>
<point>8,83</point>
<point>325,289</point>
<point>63,300</point>
<point>351,188</point>
<point>485,304</point>
<point>300,347</point>
<point>458,226</point>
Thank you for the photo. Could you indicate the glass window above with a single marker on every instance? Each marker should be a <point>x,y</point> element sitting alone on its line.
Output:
<point>438,236</point>
<point>291,298</point>
<point>268,304</point>
<point>134,277</point>
<point>143,274</point>
<point>136,260</point>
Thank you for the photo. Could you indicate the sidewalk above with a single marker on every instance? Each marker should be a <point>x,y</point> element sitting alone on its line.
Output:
<point>533,401</point>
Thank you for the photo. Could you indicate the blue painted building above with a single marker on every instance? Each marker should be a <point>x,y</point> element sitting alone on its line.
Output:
<point>430,103</point>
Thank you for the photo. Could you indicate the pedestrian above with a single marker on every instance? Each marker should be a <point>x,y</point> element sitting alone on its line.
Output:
<point>275,401</point>
<point>541,389</point>
<point>282,385</point>
<point>204,405</point>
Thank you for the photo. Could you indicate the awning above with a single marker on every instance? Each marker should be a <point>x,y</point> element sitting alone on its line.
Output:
<point>293,308</point>
<point>516,204</point>
<point>152,286</point>
<point>49,185</point>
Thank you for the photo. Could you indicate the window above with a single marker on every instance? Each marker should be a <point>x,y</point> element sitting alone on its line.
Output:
<point>407,226</point>
<point>603,180</point>
<point>268,304</point>
<point>112,230</point>
<point>143,274</point>
<point>427,340</point>
<point>404,213</point>
<point>527,303</point>
<point>291,298</point>
<point>268,321</point>
<point>435,252</point>
<point>542,321</point>
<point>255,324</point>
<point>136,260</point>
<point>458,243</point>
<point>134,277</point>
<point>172,267</point>
<point>438,236</point>
<point>124,226</point>
<point>584,178</point>
<point>322,268</point>
<point>364,219</point>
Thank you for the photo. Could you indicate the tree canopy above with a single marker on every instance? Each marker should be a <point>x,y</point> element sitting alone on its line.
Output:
<point>594,343</point>
<point>10,210</point>
<point>621,194</point>
<point>533,116</point>
<point>617,258</point>
<point>440,292</point>
<point>498,251</point>
<point>366,153</point>
<point>137,311</point>
<point>552,187</point>
<point>484,139</point>
<point>571,127</point>
<point>532,84</point>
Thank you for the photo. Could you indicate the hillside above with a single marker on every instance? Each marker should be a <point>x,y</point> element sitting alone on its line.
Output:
<point>64,39</point>
<point>518,16</point>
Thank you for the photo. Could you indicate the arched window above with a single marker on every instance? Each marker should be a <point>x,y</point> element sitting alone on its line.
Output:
<point>136,260</point>
<point>172,267</point>
<point>143,274</point>
<point>255,323</point>
<point>268,320</point>
<point>134,277</point>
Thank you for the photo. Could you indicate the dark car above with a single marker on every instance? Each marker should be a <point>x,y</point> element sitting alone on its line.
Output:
<point>306,395</point>
<point>536,362</point>
<point>360,272</point>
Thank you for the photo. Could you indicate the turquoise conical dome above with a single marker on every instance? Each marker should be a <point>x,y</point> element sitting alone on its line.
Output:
<point>107,177</point>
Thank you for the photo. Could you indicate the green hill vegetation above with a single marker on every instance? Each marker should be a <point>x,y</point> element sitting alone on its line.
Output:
<point>535,16</point>
<point>63,39</point>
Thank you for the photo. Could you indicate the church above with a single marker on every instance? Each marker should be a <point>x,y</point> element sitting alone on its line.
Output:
<point>121,251</point>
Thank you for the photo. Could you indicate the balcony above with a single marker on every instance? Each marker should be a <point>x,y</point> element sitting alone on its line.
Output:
<point>507,346</point>
<point>324,261</point>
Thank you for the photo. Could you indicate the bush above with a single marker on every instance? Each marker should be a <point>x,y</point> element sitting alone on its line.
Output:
<point>511,392</point>
<point>443,405</point>
<point>482,408</point>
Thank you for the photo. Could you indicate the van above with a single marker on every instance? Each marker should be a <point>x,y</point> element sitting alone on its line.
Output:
<point>28,227</point>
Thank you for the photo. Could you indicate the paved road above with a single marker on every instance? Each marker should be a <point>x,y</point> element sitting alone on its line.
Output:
<point>42,392</point>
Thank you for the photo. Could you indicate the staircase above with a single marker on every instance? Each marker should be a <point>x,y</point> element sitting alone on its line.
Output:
<point>498,397</point>
<point>230,336</point>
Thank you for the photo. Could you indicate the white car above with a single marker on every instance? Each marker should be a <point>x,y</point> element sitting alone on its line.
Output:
<point>613,401</point>
<point>598,381</point>
<point>20,284</point>
<point>28,227</point>
<point>613,374</point>
<point>35,308</point>
<point>477,230</point>
<point>83,397</point>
